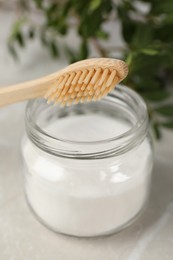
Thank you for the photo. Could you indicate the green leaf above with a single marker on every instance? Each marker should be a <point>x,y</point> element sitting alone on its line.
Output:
<point>162,7</point>
<point>66,8</point>
<point>62,28</point>
<point>129,58</point>
<point>168,20</point>
<point>168,124</point>
<point>166,110</point>
<point>18,25</point>
<point>31,33</point>
<point>94,4</point>
<point>150,52</point>
<point>53,49</point>
<point>149,85</point>
<point>127,24</point>
<point>17,35</point>
<point>155,96</point>
<point>13,52</point>
<point>81,7</point>
<point>20,39</point>
<point>102,34</point>
<point>90,22</point>
<point>157,132</point>
<point>83,50</point>
<point>90,25</point>
<point>142,36</point>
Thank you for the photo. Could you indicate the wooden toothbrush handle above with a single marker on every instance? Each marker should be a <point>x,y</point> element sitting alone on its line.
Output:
<point>23,91</point>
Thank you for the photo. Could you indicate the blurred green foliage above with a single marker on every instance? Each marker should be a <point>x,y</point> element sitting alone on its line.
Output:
<point>146,28</point>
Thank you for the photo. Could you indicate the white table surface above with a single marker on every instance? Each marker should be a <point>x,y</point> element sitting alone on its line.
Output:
<point>22,237</point>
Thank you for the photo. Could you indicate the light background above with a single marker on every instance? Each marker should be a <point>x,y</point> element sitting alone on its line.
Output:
<point>22,237</point>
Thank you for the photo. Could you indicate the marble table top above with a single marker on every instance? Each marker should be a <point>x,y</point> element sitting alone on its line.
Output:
<point>22,237</point>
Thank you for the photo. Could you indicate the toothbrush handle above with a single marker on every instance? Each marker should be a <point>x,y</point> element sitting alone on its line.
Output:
<point>27,90</point>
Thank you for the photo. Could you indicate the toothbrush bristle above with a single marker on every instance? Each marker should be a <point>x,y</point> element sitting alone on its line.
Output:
<point>91,84</point>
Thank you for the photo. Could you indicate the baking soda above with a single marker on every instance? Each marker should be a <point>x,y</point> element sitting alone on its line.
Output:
<point>87,197</point>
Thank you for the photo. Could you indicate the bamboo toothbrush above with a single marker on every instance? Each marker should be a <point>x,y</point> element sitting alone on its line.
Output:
<point>86,80</point>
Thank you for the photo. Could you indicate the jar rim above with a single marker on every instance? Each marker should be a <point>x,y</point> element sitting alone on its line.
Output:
<point>120,143</point>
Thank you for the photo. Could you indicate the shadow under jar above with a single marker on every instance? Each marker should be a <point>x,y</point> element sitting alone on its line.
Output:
<point>88,167</point>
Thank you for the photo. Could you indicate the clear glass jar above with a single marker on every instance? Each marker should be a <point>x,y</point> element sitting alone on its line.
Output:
<point>88,166</point>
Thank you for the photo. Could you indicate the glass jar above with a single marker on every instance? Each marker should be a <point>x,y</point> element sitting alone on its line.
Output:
<point>88,166</point>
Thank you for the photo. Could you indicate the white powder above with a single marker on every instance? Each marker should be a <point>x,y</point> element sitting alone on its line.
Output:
<point>87,198</point>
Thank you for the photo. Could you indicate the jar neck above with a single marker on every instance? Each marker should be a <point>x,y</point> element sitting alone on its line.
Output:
<point>129,102</point>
